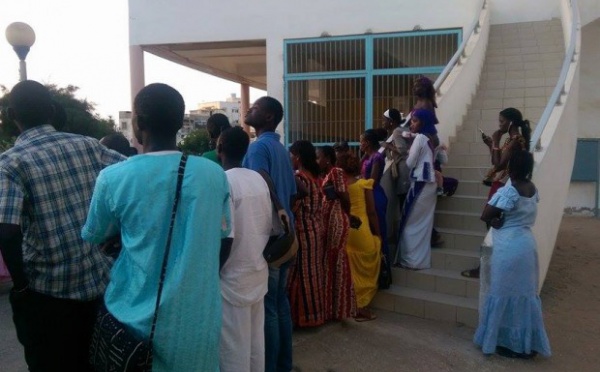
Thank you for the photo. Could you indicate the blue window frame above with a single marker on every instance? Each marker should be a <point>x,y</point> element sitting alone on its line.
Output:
<point>336,87</point>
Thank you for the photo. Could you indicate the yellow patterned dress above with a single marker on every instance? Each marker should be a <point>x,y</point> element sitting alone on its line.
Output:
<point>364,248</point>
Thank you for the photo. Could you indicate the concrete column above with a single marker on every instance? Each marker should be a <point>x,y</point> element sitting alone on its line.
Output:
<point>244,105</point>
<point>136,74</point>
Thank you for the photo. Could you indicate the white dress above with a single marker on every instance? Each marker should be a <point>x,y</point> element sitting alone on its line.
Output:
<point>414,247</point>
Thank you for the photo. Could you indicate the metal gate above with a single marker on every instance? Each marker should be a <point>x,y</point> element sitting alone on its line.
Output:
<point>336,87</point>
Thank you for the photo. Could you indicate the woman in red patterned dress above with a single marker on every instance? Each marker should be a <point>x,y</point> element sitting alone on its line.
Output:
<point>341,302</point>
<point>306,281</point>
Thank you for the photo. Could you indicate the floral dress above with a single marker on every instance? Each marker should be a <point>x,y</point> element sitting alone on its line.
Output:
<point>341,302</point>
<point>306,280</point>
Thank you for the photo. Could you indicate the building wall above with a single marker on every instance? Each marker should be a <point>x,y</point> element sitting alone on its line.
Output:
<point>582,196</point>
<point>176,21</point>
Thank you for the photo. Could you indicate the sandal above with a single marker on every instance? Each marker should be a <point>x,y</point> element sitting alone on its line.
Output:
<point>473,273</point>
<point>365,316</point>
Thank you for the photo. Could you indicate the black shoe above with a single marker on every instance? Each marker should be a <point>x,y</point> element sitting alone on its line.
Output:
<point>508,353</point>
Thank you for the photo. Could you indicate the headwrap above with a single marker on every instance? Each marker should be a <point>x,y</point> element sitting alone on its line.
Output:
<point>393,114</point>
<point>427,118</point>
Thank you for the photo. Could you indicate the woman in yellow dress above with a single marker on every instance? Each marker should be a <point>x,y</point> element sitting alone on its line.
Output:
<point>364,244</point>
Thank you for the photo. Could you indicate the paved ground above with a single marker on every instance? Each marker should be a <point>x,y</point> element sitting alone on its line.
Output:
<point>571,299</point>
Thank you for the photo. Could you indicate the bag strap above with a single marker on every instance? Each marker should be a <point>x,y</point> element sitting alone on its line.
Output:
<point>269,181</point>
<point>275,200</point>
<point>163,270</point>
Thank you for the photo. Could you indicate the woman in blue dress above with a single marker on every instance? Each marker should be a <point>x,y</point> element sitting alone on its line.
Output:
<point>511,322</point>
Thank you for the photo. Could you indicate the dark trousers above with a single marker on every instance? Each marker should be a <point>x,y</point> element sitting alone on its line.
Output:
<point>54,332</point>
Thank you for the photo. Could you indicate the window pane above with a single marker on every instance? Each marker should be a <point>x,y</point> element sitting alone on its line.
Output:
<point>393,91</point>
<point>326,110</point>
<point>325,56</point>
<point>414,51</point>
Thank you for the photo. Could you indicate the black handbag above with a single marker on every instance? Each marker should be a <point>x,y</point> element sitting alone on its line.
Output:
<point>113,347</point>
<point>281,247</point>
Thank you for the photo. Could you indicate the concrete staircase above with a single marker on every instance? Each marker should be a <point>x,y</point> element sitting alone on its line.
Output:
<point>522,65</point>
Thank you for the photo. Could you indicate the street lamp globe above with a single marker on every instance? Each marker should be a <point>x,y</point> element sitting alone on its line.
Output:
<point>21,36</point>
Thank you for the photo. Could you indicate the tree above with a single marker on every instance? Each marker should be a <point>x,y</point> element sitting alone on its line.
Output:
<point>196,142</point>
<point>72,115</point>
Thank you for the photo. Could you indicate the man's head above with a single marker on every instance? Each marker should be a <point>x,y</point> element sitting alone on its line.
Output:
<point>265,114</point>
<point>158,111</point>
<point>232,146</point>
<point>216,124</point>
<point>117,142</point>
<point>30,104</point>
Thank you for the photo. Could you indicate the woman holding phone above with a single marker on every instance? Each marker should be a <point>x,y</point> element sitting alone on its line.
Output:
<point>340,302</point>
<point>510,121</point>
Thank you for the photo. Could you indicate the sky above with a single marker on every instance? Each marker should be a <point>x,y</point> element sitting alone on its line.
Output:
<point>86,43</point>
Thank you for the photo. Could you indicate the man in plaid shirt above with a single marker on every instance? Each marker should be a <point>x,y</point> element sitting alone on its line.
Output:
<point>46,184</point>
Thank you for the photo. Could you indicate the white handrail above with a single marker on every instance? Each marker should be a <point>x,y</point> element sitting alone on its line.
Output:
<point>560,85</point>
<point>453,61</point>
<point>461,49</point>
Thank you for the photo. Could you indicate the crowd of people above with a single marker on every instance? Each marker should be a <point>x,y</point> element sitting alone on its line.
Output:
<point>221,305</point>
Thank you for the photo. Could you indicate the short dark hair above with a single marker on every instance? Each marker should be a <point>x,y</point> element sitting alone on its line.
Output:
<point>161,108</point>
<point>274,107</point>
<point>349,163</point>
<point>234,143</point>
<point>308,155</point>
<point>329,153</point>
<point>31,103</point>
<point>117,142</point>
<point>520,165</point>
<point>373,137</point>
<point>341,146</point>
<point>216,124</point>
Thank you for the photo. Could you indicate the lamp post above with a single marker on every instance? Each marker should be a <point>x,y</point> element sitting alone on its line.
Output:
<point>21,36</point>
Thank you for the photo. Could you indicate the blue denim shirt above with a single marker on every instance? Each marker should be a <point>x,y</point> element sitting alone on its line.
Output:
<point>269,154</point>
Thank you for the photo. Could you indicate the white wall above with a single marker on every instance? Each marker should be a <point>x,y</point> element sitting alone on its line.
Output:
<point>581,199</point>
<point>582,195</point>
<point>181,21</point>
<point>589,94</point>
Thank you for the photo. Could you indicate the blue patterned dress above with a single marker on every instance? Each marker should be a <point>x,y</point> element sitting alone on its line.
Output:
<point>512,312</point>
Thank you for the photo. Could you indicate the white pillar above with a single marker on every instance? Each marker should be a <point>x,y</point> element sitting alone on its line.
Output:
<point>136,73</point>
<point>244,105</point>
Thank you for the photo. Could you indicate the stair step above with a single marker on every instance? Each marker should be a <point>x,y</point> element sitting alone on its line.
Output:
<point>428,305</point>
<point>454,259</point>
<point>472,188</point>
<point>457,220</point>
<point>466,172</point>
<point>469,240</point>
<point>462,203</point>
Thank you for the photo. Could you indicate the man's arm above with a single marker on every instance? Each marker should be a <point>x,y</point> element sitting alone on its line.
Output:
<point>11,240</point>
<point>12,197</point>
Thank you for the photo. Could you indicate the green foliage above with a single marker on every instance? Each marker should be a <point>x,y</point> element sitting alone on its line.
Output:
<point>196,142</point>
<point>79,116</point>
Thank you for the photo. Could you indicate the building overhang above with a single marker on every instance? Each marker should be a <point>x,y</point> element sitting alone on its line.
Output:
<point>243,61</point>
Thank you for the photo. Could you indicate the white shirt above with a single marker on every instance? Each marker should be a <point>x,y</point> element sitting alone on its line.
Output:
<point>245,274</point>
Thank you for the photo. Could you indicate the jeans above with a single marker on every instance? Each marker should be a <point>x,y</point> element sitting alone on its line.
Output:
<point>54,332</point>
<point>278,323</point>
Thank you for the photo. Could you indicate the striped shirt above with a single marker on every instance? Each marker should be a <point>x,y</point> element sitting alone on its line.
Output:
<point>46,184</point>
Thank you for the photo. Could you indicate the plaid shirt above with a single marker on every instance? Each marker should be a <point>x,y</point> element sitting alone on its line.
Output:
<point>46,184</point>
